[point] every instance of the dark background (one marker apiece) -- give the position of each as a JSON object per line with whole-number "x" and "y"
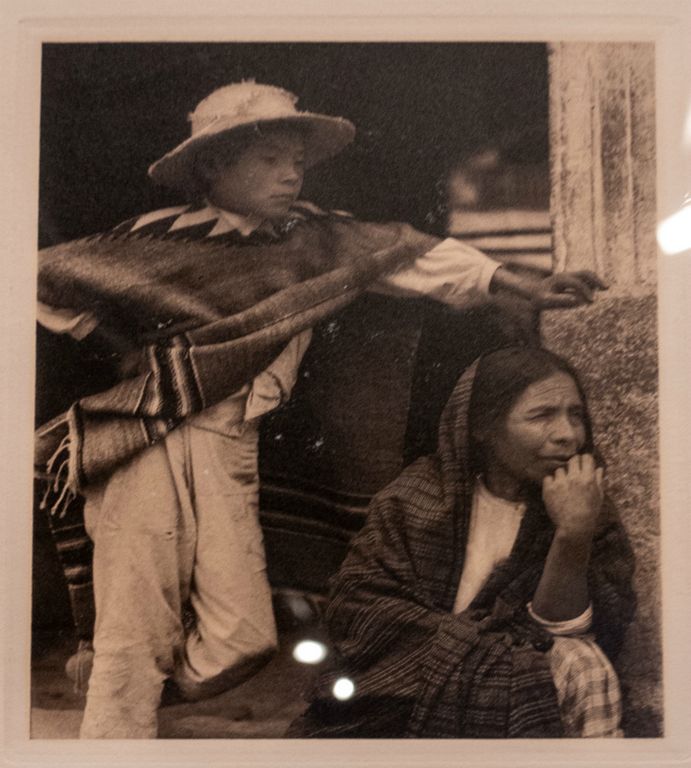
{"x": 109, "y": 110}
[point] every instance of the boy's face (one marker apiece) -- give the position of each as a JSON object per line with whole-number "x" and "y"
{"x": 264, "y": 180}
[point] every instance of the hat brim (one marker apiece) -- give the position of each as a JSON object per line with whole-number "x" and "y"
{"x": 326, "y": 137}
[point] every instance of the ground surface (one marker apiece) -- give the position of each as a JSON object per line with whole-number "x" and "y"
{"x": 263, "y": 707}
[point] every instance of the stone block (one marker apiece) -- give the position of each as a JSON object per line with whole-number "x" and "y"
{"x": 613, "y": 344}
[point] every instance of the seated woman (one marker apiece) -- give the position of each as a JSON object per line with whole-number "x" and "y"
{"x": 491, "y": 584}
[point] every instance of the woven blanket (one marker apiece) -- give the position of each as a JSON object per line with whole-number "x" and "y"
{"x": 208, "y": 315}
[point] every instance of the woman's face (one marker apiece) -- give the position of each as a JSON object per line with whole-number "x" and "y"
{"x": 543, "y": 430}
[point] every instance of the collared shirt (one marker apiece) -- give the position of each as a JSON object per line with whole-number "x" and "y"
{"x": 451, "y": 272}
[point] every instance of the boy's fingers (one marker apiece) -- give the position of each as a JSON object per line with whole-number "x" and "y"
{"x": 558, "y": 301}
{"x": 592, "y": 279}
{"x": 568, "y": 281}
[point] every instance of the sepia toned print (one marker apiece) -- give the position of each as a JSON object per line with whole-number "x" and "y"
{"x": 539, "y": 156}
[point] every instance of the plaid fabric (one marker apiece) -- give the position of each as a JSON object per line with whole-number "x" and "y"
{"x": 420, "y": 670}
{"x": 587, "y": 688}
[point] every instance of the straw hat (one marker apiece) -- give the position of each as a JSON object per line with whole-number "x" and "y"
{"x": 244, "y": 104}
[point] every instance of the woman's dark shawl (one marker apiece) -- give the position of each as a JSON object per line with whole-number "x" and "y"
{"x": 208, "y": 315}
{"x": 418, "y": 669}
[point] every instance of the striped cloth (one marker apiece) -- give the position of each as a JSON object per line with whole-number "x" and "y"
{"x": 207, "y": 313}
{"x": 75, "y": 554}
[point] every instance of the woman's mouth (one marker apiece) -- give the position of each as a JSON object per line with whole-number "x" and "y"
{"x": 556, "y": 462}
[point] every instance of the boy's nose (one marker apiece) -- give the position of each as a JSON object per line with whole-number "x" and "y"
{"x": 291, "y": 173}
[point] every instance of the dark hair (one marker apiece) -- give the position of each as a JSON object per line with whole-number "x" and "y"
{"x": 231, "y": 145}
{"x": 501, "y": 378}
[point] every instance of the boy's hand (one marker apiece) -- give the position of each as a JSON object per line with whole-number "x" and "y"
{"x": 566, "y": 289}
{"x": 573, "y": 496}
{"x": 558, "y": 291}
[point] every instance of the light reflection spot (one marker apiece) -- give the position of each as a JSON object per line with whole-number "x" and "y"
{"x": 674, "y": 233}
{"x": 343, "y": 688}
{"x": 309, "y": 652}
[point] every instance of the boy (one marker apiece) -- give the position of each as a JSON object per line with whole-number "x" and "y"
{"x": 212, "y": 305}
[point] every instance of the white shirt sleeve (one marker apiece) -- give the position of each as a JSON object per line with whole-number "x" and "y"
{"x": 452, "y": 272}
{"x": 77, "y": 324}
{"x": 576, "y": 626}
{"x": 274, "y": 385}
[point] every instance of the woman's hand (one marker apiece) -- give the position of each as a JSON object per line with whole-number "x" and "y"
{"x": 573, "y": 496}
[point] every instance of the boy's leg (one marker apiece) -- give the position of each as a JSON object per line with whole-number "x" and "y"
{"x": 235, "y": 632}
{"x": 143, "y": 552}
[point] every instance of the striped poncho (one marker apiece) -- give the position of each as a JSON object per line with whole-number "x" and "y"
{"x": 208, "y": 314}
{"x": 420, "y": 670}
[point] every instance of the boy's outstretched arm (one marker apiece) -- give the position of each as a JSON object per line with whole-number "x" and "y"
{"x": 560, "y": 290}
{"x": 461, "y": 276}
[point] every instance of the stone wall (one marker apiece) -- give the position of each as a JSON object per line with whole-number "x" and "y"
{"x": 602, "y": 124}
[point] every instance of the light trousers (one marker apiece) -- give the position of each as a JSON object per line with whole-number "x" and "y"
{"x": 177, "y": 526}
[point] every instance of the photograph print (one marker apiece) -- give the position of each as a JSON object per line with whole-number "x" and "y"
{"x": 346, "y": 392}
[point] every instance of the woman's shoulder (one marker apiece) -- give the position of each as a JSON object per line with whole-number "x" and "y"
{"x": 416, "y": 497}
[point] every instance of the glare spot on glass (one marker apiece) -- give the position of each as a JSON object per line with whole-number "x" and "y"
{"x": 309, "y": 652}
{"x": 674, "y": 233}
{"x": 343, "y": 688}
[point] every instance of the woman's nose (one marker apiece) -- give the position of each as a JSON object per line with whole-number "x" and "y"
{"x": 564, "y": 430}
